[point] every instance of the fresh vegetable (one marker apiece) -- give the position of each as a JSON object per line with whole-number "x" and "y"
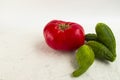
{"x": 69, "y": 36}
{"x": 106, "y": 36}
{"x": 105, "y": 47}
{"x": 85, "y": 58}
{"x": 101, "y": 51}
{"x": 89, "y": 37}
{"x": 65, "y": 36}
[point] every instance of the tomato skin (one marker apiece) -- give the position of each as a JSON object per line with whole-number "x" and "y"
{"x": 67, "y": 39}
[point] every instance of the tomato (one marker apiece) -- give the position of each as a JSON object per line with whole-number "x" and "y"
{"x": 64, "y": 36}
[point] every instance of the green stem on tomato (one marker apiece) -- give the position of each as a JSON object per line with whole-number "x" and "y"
{"x": 63, "y": 26}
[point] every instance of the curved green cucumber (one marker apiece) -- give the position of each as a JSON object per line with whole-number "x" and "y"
{"x": 101, "y": 51}
{"x": 85, "y": 58}
{"x": 89, "y": 37}
{"x": 106, "y": 37}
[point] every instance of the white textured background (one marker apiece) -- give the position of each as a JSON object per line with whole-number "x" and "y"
{"x": 24, "y": 54}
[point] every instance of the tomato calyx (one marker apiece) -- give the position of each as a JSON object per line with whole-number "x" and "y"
{"x": 63, "y": 26}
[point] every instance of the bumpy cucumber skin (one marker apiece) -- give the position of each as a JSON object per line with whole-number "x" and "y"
{"x": 91, "y": 36}
{"x": 85, "y": 58}
{"x": 101, "y": 51}
{"x": 106, "y": 36}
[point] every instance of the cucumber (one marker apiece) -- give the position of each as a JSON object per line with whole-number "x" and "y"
{"x": 91, "y": 36}
{"x": 101, "y": 51}
{"x": 106, "y": 37}
{"x": 85, "y": 58}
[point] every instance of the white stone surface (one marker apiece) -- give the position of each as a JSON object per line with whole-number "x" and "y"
{"x": 24, "y": 55}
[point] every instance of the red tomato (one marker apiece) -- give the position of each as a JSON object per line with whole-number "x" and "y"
{"x": 65, "y": 36}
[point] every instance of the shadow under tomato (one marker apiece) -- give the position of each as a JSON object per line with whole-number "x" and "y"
{"x": 42, "y": 46}
{"x": 43, "y": 49}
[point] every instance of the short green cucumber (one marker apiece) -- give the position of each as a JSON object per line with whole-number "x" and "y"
{"x": 106, "y": 37}
{"x": 101, "y": 51}
{"x": 91, "y": 36}
{"x": 85, "y": 58}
